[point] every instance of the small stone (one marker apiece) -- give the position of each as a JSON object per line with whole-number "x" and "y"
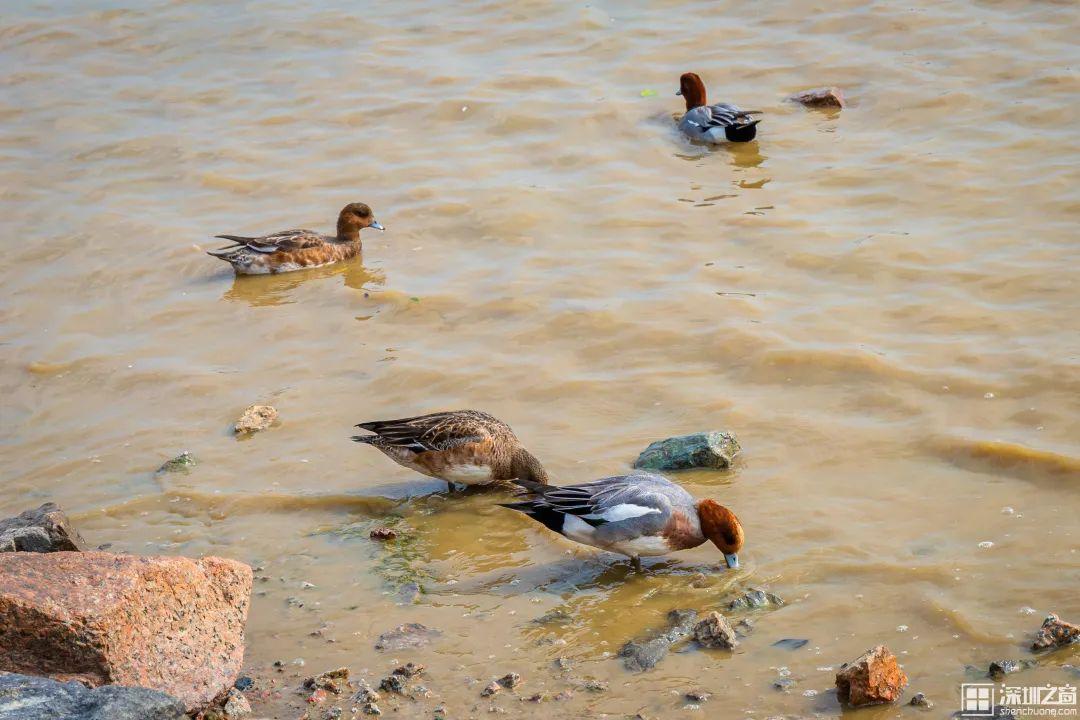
{"x": 236, "y": 705}
{"x": 754, "y": 599}
{"x": 332, "y": 713}
{"x": 371, "y": 709}
{"x": 1001, "y": 668}
{"x": 713, "y": 631}
{"x": 699, "y": 581}
{"x": 365, "y": 693}
{"x": 393, "y": 683}
{"x": 791, "y": 643}
{"x": 712, "y": 449}
{"x": 564, "y": 664}
{"x": 409, "y": 635}
{"x": 244, "y": 683}
{"x": 181, "y": 463}
{"x": 382, "y": 533}
{"x": 564, "y": 695}
{"x": 698, "y": 696}
{"x": 1055, "y": 632}
{"x": 510, "y": 680}
{"x": 986, "y": 545}
{"x": 331, "y": 680}
{"x": 491, "y": 689}
{"x": 784, "y": 683}
{"x": 595, "y": 686}
{"x": 255, "y": 419}
{"x": 538, "y": 697}
{"x": 874, "y": 677}
{"x": 317, "y": 697}
{"x": 920, "y": 700}
{"x": 823, "y": 97}
{"x": 409, "y": 670}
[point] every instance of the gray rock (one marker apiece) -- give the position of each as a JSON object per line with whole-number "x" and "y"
{"x": 754, "y": 599}
{"x": 713, "y": 631}
{"x": 791, "y": 643}
{"x": 699, "y": 450}
{"x": 23, "y": 697}
{"x": 640, "y": 655}
{"x": 1000, "y": 668}
{"x": 409, "y": 635}
{"x": 46, "y": 529}
{"x": 920, "y": 700}
{"x": 236, "y": 705}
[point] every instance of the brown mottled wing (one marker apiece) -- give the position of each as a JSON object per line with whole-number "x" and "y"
{"x": 437, "y": 431}
{"x": 286, "y": 240}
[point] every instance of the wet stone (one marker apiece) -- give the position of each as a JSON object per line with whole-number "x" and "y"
{"x": 699, "y": 450}
{"x": 697, "y": 696}
{"x": 24, "y": 697}
{"x": 1055, "y": 632}
{"x": 920, "y": 700}
{"x": 332, "y": 681}
{"x": 181, "y": 463}
{"x": 713, "y": 631}
{"x": 382, "y": 533}
{"x": 823, "y": 97}
{"x": 640, "y": 655}
{"x": 244, "y": 683}
{"x": 754, "y": 599}
{"x": 791, "y": 643}
{"x": 409, "y": 635}
{"x": 491, "y": 689}
{"x": 44, "y": 529}
{"x": 510, "y": 680}
{"x": 393, "y": 683}
{"x": 1001, "y": 668}
{"x": 236, "y": 705}
{"x": 365, "y": 693}
{"x": 874, "y": 677}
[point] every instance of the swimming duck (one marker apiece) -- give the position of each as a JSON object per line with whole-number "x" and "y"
{"x": 713, "y": 123}
{"x": 298, "y": 249}
{"x": 463, "y": 446}
{"x": 635, "y": 515}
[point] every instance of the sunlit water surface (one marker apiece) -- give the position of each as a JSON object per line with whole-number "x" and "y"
{"x": 881, "y": 303}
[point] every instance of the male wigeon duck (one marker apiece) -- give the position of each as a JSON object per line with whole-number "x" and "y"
{"x": 464, "y": 446}
{"x": 714, "y": 124}
{"x": 635, "y": 515}
{"x": 298, "y": 249}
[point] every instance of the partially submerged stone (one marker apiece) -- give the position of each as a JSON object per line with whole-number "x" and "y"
{"x": 236, "y": 705}
{"x": 1000, "y": 668}
{"x": 332, "y": 681}
{"x": 874, "y": 677}
{"x": 181, "y": 463}
{"x": 754, "y": 599}
{"x": 382, "y": 533}
{"x": 920, "y": 700}
{"x": 510, "y": 680}
{"x": 409, "y": 635}
{"x": 699, "y": 450}
{"x": 44, "y": 529}
{"x": 1055, "y": 632}
{"x": 167, "y": 623}
{"x": 822, "y": 97}
{"x": 255, "y": 419}
{"x": 491, "y": 689}
{"x": 639, "y": 655}
{"x": 791, "y": 643}
{"x": 713, "y": 631}
{"x": 24, "y": 697}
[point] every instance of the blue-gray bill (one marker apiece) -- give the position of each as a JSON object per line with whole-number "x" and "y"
{"x": 377, "y": 225}
{"x": 732, "y": 560}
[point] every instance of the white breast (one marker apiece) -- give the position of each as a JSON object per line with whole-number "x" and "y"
{"x": 647, "y": 546}
{"x": 469, "y": 474}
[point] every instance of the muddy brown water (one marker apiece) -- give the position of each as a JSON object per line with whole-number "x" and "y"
{"x": 881, "y": 303}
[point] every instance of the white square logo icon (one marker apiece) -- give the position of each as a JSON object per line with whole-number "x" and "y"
{"x": 977, "y": 700}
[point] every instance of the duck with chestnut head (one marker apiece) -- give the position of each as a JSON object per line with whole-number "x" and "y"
{"x": 298, "y": 249}
{"x": 713, "y": 124}
{"x": 634, "y": 515}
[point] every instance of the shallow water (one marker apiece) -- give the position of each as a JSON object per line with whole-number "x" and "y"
{"x": 880, "y": 302}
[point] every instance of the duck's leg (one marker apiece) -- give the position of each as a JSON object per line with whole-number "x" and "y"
{"x": 636, "y": 562}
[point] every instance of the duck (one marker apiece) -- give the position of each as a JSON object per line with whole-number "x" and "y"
{"x": 713, "y": 124}
{"x": 461, "y": 447}
{"x": 290, "y": 250}
{"x": 636, "y": 515}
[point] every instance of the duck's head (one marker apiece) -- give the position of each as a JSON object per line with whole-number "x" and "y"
{"x": 722, "y": 527}
{"x": 693, "y": 90}
{"x": 355, "y": 217}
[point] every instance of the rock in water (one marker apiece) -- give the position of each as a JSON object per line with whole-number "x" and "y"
{"x": 255, "y": 419}
{"x": 168, "y": 623}
{"x": 181, "y": 463}
{"x": 639, "y": 655}
{"x": 36, "y": 698}
{"x": 700, "y": 450}
{"x": 236, "y": 705}
{"x": 1055, "y": 632}
{"x": 823, "y": 97}
{"x": 713, "y": 631}
{"x": 409, "y": 635}
{"x": 46, "y": 529}
{"x": 754, "y": 599}
{"x": 874, "y": 677}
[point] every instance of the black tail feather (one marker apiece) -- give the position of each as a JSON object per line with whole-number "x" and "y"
{"x": 551, "y": 519}
{"x": 741, "y": 133}
{"x": 365, "y": 438}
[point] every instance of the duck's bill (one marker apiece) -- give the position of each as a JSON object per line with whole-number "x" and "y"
{"x": 377, "y": 225}
{"x": 678, "y": 92}
{"x": 732, "y": 560}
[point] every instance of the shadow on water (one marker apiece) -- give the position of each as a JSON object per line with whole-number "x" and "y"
{"x": 270, "y": 290}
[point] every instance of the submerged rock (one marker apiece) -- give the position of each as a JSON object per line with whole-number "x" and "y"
{"x": 699, "y": 450}
{"x": 23, "y": 697}
{"x": 510, "y": 680}
{"x": 43, "y": 530}
{"x": 754, "y": 599}
{"x": 409, "y": 635}
{"x": 169, "y": 623}
{"x": 823, "y": 97}
{"x": 255, "y": 419}
{"x": 639, "y": 655}
{"x": 382, "y": 533}
{"x": 181, "y": 463}
{"x": 1055, "y": 632}
{"x": 920, "y": 700}
{"x": 491, "y": 689}
{"x": 791, "y": 643}
{"x": 1000, "y": 668}
{"x": 874, "y": 677}
{"x": 332, "y": 681}
{"x": 713, "y": 631}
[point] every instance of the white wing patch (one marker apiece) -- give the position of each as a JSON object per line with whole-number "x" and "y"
{"x": 623, "y": 511}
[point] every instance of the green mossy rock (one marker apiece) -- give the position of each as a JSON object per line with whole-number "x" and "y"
{"x": 700, "y": 450}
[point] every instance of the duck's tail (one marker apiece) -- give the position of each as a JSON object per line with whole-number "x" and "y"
{"x": 741, "y": 133}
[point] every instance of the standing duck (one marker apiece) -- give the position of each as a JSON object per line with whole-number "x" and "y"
{"x": 635, "y": 515}
{"x": 468, "y": 447}
{"x": 713, "y": 123}
{"x": 290, "y": 250}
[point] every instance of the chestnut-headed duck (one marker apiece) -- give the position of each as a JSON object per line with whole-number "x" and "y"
{"x": 714, "y": 124}
{"x": 468, "y": 447}
{"x": 290, "y": 250}
{"x": 635, "y": 515}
